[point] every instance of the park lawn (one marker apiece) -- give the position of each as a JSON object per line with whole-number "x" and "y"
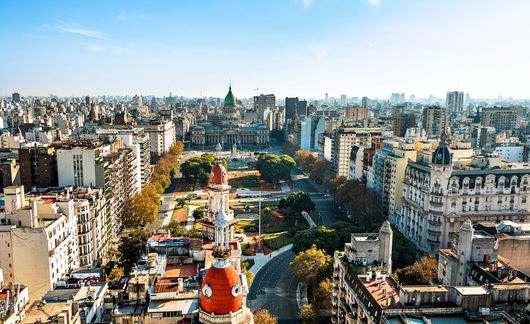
{"x": 180, "y": 214}
{"x": 277, "y": 240}
{"x": 247, "y": 225}
{"x": 245, "y": 181}
{"x": 198, "y": 203}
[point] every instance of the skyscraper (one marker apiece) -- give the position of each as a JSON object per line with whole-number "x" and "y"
{"x": 15, "y": 97}
{"x": 293, "y": 107}
{"x": 434, "y": 120}
{"x": 455, "y": 102}
{"x": 262, "y": 102}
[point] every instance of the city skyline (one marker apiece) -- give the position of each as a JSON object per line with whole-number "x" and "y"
{"x": 289, "y": 48}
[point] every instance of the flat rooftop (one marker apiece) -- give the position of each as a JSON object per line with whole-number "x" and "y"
{"x": 384, "y": 290}
{"x": 472, "y": 290}
{"x": 366, "y": 236}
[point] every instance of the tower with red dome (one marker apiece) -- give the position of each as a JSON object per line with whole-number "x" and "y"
{"x": 224, "y": 287}
{"x": 218, "y": 199}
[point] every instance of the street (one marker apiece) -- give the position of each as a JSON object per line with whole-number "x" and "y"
{"x": 274, "y": 289}
{"x": 326, "y": 207}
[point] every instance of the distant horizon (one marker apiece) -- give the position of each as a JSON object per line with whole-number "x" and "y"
{"x": 292, "y": 48}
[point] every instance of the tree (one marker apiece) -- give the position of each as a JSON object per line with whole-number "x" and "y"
{"x": 361, "y": 202}
{"x": 309, "y": 314}
{"x": 297, "y": 202}
{"x": 311, "y": 266}
{"x": 131, "y": 247}
{"x": 181, "y": 202}
{"x": 262, "y": 316}
{"x": 116, "y": 273}
{"x": 322, "y": 294}
{"x": 344, "y": 231}
{"x": 178, "y": 230}
{"x": 404, "y": 252}
{"x": 197, "y": 169}
{"x": 198, "y": 213}
{"x": 320, "y": 236}
{"x": 419, "y": 273}
{"x": 274, "y": 168}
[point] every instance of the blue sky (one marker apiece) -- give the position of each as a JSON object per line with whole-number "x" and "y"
{"x": 288, "y": 47}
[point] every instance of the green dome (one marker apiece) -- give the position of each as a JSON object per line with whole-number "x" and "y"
{"x": 230, "y": 100}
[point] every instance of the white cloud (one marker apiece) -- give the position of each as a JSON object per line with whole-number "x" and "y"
{"x": 95, "y": 48}
{"x": 83, "y": 32}
{"x": 368, "y": 43}
{"x": 126, "y": 16}
{"x": 374, "y": 3}
{"x": 307, "y": 3}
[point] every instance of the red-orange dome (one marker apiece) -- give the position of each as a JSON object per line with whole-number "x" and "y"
{"x": 221, "y": 291}
{"x": 218, "y": 175}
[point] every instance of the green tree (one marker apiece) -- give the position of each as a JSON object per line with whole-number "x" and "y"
{"x": 197, "y": 169}
{"x": 297, "y": 202}
{"x": 322, "y": 294}
{"x": 131, "y": 247}
{"x": 344, "y": 231}
{"x": 311, "y": 266}
{"x": 274, "y": 168}
{"x": 262, "y": 316}
{"x": 181, "y": 202}
{"x": 320, "y": 236}
{"x": 198, "y": 213}
{"x": 419, "y": 273}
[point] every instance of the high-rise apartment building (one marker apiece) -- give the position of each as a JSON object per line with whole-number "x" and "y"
{"x": 455, "y": 102}
{"x": 343, "y": 140}
{"x": 503, "y": 119}
{"x": 162, "y": 136}
{"x": 262, "y": 103}
{"x": 356, "y": 113}
{"x": 293, "y": 107}
{"x": 38, "y": 241}
{"x": 401, "y": 122}
{"x": 15, "y": 97}
{"x": 310, "y": 129}
{"x": 38, "y": 167}
{"x": 434, "y": 121}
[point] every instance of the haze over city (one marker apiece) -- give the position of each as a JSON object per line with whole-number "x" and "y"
{"x": 287, "y": 47}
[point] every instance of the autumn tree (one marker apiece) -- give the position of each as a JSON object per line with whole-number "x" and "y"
{"x": 309, "y": 314}
{"x": 311, "y": 266}
{"x": 322, "y": 294}
{"x": 262, "y": 316}
{"x": 115, "y": 274}
{"x": 419, "y": 273}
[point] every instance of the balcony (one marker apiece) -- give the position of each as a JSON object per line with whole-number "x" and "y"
{"x": 435, "y": 223}
{"x": 435, "y": 241}
{"x": 433, "y": 231}
{"x": 437, "y": 203}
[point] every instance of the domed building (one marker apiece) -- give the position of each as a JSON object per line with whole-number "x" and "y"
{"x": 224, "y": 287}
{"x": 230, "y": 105}
{"x": 228, "y": 127}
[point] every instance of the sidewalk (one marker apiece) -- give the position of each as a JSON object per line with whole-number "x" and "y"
{"x": 261, "y": 259}
{"x": 191, "y": 220}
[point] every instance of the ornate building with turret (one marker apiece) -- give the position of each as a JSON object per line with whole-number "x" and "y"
{"x": 227, "y": 127}
{"x": 440, "y": 191}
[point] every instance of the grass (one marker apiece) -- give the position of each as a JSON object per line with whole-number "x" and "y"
{"x": 277, "y": 240}
{"x": 245, "y": 181}
{"x": 198, "y": 203}
{"x": 180, "y": 214}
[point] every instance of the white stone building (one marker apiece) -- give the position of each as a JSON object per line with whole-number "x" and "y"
{"x": 38, "y": 241}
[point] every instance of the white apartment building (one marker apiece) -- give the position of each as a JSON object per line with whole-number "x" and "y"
{"x": 38, "y": 241}
{"x": 440, "y": 193}
{"x": 511, "y": 152}
{"x": 343, "y": 140}
{"x": 310, "y": 129}
{"x": 162, "y": 136}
